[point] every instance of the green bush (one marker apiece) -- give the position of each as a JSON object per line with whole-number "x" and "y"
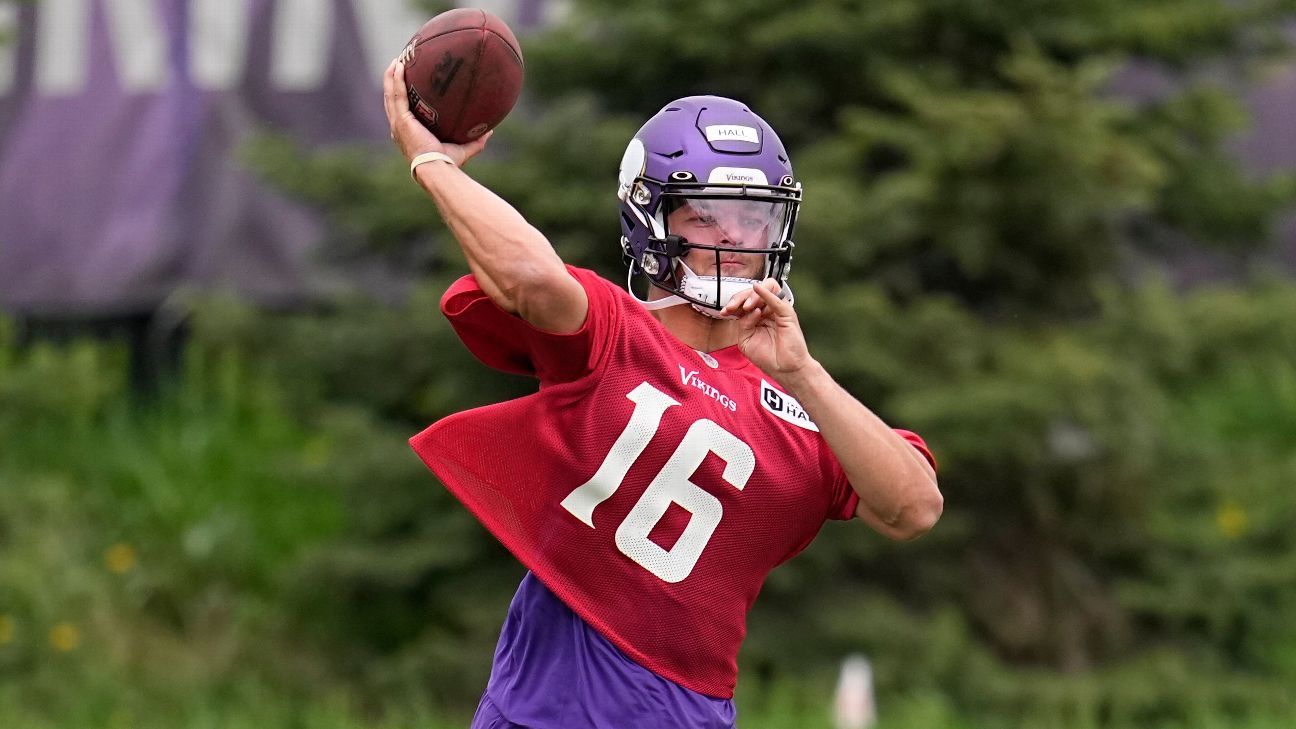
{"x": 147, "y": 544}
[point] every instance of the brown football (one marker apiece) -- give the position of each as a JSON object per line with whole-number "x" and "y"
{"x": 463, "y": 70}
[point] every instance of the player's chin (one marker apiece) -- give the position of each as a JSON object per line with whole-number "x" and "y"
{"x": 751, "y": 273}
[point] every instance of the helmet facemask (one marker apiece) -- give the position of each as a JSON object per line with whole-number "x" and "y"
{"x": 733, "y": 237}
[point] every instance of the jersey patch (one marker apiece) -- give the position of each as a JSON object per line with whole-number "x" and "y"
{"x": 785, "y": 407}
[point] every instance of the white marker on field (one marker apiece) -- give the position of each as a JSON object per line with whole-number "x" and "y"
{"x": 854, "y": 707}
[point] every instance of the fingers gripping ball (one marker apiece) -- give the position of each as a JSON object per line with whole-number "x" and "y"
{"x": 463, "y": 71}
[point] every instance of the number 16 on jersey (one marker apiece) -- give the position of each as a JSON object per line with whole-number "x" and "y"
{"x": 671, "y": 485}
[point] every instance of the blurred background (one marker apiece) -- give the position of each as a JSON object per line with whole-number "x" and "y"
{"x": 1056, "y": 237}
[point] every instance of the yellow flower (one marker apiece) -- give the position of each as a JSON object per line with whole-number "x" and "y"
{"x": 1231, "y": 519}
{"x": 64, "y": 637}
{"x": 317, "y": 452}
{"x": 120, "y": 558}
{"x": 6, "y": 629}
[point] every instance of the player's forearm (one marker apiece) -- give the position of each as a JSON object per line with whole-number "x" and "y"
{"x": 505, "y": 252}
{"x": 895, "y": 483}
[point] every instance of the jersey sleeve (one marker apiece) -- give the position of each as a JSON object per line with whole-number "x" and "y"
{"x": 844, "y": 499}
{"x": 509, "y": 343}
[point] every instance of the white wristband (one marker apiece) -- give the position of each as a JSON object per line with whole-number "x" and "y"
{"x": 429, "y": 157}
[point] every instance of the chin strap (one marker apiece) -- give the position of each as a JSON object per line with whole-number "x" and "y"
{"x": 653, "y": 304}
{"x": 702, "y": 287}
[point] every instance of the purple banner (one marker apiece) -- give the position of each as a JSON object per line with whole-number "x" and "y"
{"x": 118, "y": 123}
{"x": 1269, "y": 146}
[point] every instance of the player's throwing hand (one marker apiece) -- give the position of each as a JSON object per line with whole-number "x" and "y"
{"x": 410, "y": 136}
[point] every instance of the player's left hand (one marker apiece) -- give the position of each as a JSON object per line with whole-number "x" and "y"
{"x": 770, "y": 333}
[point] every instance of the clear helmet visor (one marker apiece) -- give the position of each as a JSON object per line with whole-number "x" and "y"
{"x": 727, "y": 222}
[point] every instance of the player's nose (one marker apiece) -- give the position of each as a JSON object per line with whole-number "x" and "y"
{"x": 740, "y": 238}
{"x": 733, "y": 236}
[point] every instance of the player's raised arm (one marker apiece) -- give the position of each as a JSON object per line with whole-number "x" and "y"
{"x": 513, "y": 262}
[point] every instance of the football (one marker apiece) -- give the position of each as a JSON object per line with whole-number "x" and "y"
{"x": 463, "y": 72}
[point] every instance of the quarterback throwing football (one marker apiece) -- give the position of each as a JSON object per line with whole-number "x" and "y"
{"x": 683, "y": 441}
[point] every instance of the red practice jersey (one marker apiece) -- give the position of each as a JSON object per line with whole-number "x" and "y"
{"x": 650, "y": 486}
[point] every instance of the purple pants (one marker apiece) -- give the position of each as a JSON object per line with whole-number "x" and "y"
{"x": 489, "y": 717}
{"x": 553, "y": 671}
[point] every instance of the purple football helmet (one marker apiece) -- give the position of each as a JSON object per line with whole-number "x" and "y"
{"x": 724, "y": 170}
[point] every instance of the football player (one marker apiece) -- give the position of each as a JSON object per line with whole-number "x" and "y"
{"x": 683, "y": 441}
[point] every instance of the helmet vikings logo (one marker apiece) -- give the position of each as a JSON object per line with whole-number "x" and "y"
{"x": 738, "y": 176}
